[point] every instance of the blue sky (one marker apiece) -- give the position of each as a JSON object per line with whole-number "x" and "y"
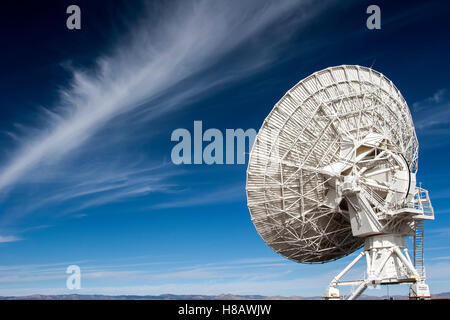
{"x": 86, "y": 118}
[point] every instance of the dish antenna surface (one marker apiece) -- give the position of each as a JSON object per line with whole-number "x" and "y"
{"x": 332, "y": 169}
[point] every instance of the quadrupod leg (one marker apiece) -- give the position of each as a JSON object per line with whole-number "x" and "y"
{"x": 378, "y": 273}
{"x": 332, "y": 292}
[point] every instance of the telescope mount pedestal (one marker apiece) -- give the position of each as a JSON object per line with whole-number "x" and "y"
{"x": 388, "y": 262}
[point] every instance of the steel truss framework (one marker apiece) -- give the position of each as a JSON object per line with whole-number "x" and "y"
{"x": 388, "y": 262}
{"x": 341, "y": 121}
{"x": 332, "y": 167}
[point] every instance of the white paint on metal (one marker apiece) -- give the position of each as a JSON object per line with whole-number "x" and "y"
{"x": 334, "y": 163}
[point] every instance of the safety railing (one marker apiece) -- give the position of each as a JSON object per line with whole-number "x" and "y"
{"x": 422, "y": 202}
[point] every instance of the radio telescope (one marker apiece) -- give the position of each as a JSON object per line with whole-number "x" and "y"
{"x": 333, "y": 169}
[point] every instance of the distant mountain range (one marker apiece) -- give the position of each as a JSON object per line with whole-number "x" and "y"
{"x": 444, "y": 295}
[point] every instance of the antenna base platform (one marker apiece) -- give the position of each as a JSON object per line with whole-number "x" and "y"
{"x": 388, "y": 262}
{"x": 419, "y": 291}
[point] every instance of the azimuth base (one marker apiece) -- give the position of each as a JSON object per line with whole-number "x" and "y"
{"x": 386, "y": 264}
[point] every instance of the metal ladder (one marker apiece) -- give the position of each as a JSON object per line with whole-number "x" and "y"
{"x": 419, "y": 247}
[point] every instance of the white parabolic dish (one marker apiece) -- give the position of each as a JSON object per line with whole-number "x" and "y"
{"x": 302, "y": 151}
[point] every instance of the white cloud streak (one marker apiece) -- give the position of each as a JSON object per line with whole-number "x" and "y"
{"x": 188, "y": 39}
{"x": 433, "y": 111}
{"x": 224, "y": 194}
{"x": 235, "y": 276}
{"x": 438, "y": 97}
{"x": 266, "y": 276}
{"x": 5, "y": 239}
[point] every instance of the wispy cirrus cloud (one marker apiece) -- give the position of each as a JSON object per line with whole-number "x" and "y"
{"x": 189, "y": 38}
{"x": 432, "y": 112}
{"x": 437, "y": 98}
{"x": 193, "y": 198}
{"x": 188, "y": 50}
{"x": 93, "y": 185}
{"x": 263, "y": 275}
{"x": 441, "y": 232}
{"x": 440, "y": 258}
{"x": 5, "y": 239}
{"x": 234, "y": 276}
